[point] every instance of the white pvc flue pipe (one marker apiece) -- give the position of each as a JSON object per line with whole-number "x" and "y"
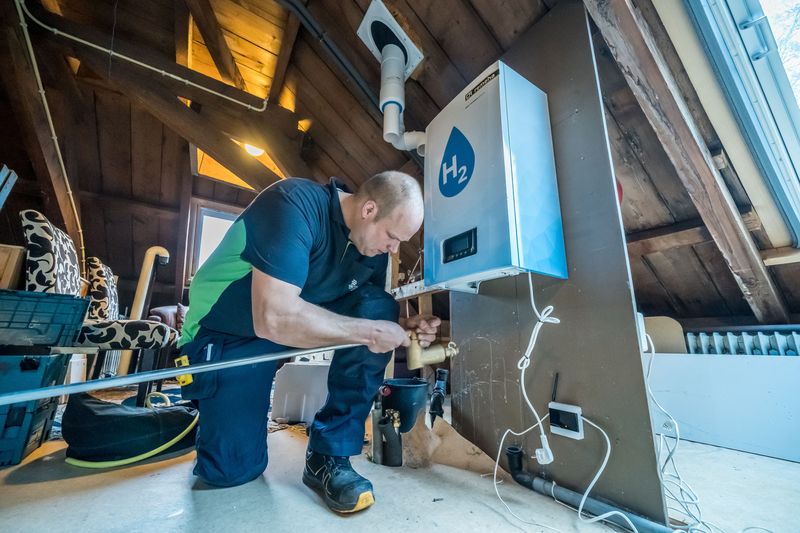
{"x": 393, "y": 101}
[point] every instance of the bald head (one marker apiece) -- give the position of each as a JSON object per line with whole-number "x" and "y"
{"x": 386, "y": 210}
{"x": 391, "y": 189}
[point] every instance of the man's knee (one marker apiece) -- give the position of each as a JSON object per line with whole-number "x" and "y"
{"x": 220, "y": 473}
{"x": 375, "y": 303}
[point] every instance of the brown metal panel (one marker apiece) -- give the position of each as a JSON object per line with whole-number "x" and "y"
{"x": 595, "y": 348}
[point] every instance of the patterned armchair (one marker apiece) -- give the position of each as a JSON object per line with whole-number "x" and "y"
{"x": 52, "y": 266}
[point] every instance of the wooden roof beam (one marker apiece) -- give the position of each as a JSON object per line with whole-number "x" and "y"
{"x": 151, "y": 57}
{"x": 23, "y": 92}
{"x": 207, "y": 22}
{"x": 679, "y": 235}
{"x": 275, "y": 130}
{"x": 287, "y": 45}
{"x": 656, "y": 91}
{"x": 195, "y": 128}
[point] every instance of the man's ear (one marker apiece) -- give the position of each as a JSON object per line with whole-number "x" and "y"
{"x": 369, "y": 209}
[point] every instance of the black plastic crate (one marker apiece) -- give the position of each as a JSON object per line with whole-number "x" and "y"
{"x": 40, "y": 319}
{"x": 19, "y": 436}
{"x": 24, "y": 372}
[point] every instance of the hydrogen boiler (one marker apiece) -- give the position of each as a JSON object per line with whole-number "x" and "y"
{"x": 491, "y": 197}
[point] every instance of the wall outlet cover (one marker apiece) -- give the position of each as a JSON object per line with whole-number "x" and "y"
{"x": 566, "y": 420}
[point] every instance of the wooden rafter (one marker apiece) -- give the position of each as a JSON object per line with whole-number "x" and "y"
{"x": 151, "y": 57}
{"x": 687, "y": 233}
{"x": 20, "y": 83}
{"x": 190, "y": 125}
{"x": 183, "y": 55}
{"x": 276, "y": 133}
{"x": 650, "y": 80}
{"x": 130, "y": 205}
{"x": 287, "y": 44}
{"x": 203, "y": 15}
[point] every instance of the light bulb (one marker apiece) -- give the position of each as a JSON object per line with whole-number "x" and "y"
{"x": 253, "y": 150}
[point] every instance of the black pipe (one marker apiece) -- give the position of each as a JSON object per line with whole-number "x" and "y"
{"x": 514, "y": 456}
{"x": 393, "y": 443}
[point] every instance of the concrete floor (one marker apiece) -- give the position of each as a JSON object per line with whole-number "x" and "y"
{"x": 44, "y": 494}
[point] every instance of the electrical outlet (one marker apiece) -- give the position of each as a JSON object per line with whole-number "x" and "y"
{"x": 566, "y": 420}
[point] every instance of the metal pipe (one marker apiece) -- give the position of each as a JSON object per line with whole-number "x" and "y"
{"x": 153, "y": 375}
{"x": 595, "y": 507}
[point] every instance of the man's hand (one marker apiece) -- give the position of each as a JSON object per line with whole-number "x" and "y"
{"x": 425, "y": 326}
{"x": 386, "y": 336}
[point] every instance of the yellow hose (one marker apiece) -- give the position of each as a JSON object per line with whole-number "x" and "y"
{"x": 129, "y": 460}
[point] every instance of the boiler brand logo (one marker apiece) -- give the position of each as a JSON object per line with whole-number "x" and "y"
{"x": 457, "y": 164}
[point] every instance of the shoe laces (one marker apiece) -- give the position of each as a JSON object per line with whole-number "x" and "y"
{"x": 340, "y": 463}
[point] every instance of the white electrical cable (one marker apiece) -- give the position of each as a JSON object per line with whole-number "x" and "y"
{"x": 112, "y": 53}
{"x": 685, "y": 498}
{"x": 603, "y": 516}
{"x": 524, "y": 362}
{"x": 497, "y": 466}
{"x": 53, "y": 136}
{"x": 544, "y": 455}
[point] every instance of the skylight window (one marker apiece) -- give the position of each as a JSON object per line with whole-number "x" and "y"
{"x": 784, "y": 20}
{"x": 754, "y": 48}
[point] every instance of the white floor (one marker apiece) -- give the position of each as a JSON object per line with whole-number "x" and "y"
{"x": 44, "y": 494}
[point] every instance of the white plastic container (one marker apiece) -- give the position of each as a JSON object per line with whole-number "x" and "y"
{"x": 301, "y": 389}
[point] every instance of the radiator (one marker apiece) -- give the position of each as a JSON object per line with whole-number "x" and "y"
{"x": 754, "y": 342}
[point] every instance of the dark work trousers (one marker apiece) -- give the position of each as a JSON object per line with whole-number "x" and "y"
{"x": 234, "y": 405}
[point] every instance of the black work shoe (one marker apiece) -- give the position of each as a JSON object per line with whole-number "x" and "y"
{"x": 343, "y": 490}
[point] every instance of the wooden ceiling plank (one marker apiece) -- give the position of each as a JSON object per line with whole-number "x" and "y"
{"x": 146, "y": 155}
{"x": 455, "y": 26}
{"x": 651, "y": 296}
{"x": 113, "y": 112}
{"x": 647, "y": 74}
{"x": 509, "y": 19}
{"x": 682, "y": 274}
{"x": 263, "y": 32}
{"x": 203, "y": 15}
{"x": 642, "y": 206}
{"x": 148, "y": 23}
{"x": 23, "y": 92}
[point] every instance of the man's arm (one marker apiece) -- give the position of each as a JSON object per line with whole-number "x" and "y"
{"x": 280, "y": 315}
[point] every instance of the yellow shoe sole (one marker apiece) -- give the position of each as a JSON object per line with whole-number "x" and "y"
{"x": 365, "y": 499}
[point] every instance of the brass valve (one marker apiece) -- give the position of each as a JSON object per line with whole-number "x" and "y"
{"x": 435, "y": 353}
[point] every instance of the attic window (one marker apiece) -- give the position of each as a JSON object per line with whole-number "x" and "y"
{"x": 754, "y": 47}
{"x": 210, "y": 221}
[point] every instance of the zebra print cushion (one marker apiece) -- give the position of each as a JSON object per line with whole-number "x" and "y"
{"x": 51, "y": 264}
{"x": 126, "y": 335}
{"x": 102, "y": 290}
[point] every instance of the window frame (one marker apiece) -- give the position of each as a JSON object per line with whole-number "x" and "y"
{"x": 201, "y": 207}
{"x": 742, "y": 51}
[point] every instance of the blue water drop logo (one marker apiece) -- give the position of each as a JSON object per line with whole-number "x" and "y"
{"x": 457, "y": 164}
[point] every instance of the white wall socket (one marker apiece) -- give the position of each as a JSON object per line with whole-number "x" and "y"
{"x": 566, "y": 420}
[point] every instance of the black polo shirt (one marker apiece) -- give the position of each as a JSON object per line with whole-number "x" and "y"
{"x": 293, "y": 231}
